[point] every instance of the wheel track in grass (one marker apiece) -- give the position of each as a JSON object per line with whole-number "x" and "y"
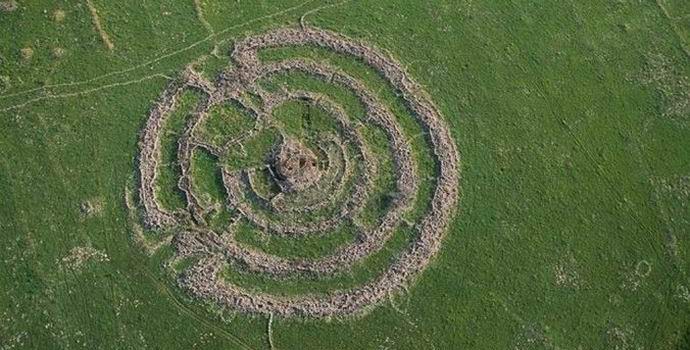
{"x": 161, "y": 57}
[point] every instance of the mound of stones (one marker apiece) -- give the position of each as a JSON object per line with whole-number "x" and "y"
{"x": 295, "y": 166}
{"x": 315, "y": 175}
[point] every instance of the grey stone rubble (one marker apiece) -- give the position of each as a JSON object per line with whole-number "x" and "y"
{"x": 333, "y": 181}
{"x": 295, "y": 166}
{"x": 216, "y": 251}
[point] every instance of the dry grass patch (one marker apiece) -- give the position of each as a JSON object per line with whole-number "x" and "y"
{"x": 79, "y": 256}
{"x": 91, "y": 207}
{"x": 95, "y": 18}
{"x": 26, "y": 53}
{"x": 59, "y": 15}
{"x": 8, "y": 6}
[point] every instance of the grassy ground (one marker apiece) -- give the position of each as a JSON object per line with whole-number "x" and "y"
{"x": 572, "y": 119}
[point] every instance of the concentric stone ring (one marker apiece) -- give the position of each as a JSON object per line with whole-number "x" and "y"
{"x": 308, "y": 179}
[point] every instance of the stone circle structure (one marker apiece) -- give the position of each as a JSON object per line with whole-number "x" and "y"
{"x": 309, "y": 177}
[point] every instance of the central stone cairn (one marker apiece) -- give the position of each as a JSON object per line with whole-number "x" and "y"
{"x": 342, "y": 180}
{"x": 295, "y": 166}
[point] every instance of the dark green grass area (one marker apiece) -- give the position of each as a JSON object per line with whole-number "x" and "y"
{"x": 303, "y": 121}
{"x": 225, "y": 123}
{"x": 207, "y": 177}
{"x": 260, "y": 145}
{"x": 570, "y": 118}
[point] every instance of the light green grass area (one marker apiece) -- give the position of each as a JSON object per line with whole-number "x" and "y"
{"x": 572, "y": 120}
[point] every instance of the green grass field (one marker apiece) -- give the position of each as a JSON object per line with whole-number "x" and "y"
{"x": 572, "y": 120}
